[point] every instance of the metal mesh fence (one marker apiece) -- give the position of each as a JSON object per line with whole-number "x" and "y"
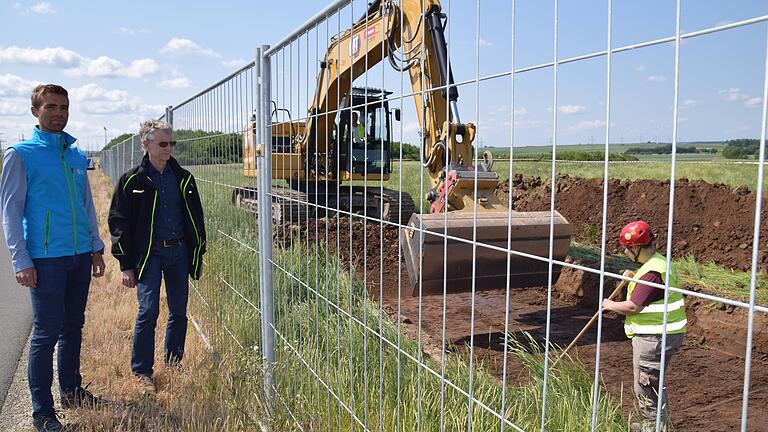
{"x": 393, "y": 289}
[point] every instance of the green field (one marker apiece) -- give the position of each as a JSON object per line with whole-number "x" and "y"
{"x": 716, "y": 280}
{"x": 718, "y": 171}
{"x": 613, "y": 148}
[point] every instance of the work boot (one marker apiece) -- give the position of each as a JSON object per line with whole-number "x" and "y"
{"x": 147, "y": 385}
{"x": 81, "y": 397}
{"x": 646, "y": 426}
{"x": 46, "y": 423}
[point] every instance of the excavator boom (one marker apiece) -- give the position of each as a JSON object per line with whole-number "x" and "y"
{"x": 469, "y": 239}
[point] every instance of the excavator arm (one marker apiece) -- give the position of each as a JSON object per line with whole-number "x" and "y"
{"x": 410, "y": 35}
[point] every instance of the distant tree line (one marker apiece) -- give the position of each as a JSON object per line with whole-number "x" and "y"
{"x": 667, "y": 149}
{"x": 580, "y": 156}
{"x": 117, "y": 140}
{"x": 200, "y": 147}
{"x": 743, "y": 148}
{"x": 410, "y": 152}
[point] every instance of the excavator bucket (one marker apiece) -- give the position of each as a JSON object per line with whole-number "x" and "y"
{"x": 437, "y": 263}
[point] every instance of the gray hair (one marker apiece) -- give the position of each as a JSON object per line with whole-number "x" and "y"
{"x": 149, "y": 126}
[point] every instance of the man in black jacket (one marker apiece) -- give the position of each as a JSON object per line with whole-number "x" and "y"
{"x": 156, "y": 223}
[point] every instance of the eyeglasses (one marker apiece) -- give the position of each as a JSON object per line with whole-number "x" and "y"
{"x": 166, "y": 143}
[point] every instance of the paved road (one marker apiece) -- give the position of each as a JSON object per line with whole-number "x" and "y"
{"x": 16, "y": 321}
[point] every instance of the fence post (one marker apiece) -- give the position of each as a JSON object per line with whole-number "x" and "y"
{"x": 264, "y": 167}
{"x": 169, "y": 115}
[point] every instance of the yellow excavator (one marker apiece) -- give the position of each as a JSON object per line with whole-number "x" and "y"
{"x": 469, "y": 239}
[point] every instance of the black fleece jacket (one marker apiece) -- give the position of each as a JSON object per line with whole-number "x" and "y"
{"x": 132, "y": 212}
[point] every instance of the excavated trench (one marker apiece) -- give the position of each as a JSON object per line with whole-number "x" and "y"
{"x": 705, "y": 378}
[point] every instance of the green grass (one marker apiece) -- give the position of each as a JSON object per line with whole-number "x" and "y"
{"x": 709, "y": 277}
{"x": 614, "y": 148}
{"x": 330, "y": 359}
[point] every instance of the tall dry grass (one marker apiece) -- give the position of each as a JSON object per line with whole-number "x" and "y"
{"x": 199, "y": 396}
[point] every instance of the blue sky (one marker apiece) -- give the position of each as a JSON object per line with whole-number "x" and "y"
{"x": 124, "y": 61}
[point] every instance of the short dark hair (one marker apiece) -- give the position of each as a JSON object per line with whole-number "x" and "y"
{"x": 39, "y": 91}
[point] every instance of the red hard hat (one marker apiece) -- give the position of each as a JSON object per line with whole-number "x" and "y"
{"x": 636, "y": 233}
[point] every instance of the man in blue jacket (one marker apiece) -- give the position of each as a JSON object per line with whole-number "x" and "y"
{"x": 53, "y": 238}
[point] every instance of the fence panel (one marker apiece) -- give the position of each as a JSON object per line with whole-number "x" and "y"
{"x": 390, "y": 294}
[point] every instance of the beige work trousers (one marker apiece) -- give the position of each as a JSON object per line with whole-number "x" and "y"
{"x": 646, "y": 364}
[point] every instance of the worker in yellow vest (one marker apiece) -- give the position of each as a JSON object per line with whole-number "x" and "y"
{"x": 644, "y": 322}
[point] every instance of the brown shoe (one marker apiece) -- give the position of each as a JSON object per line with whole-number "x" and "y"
{"x": 81, "y": 397}
{"x": 147, "y": 385}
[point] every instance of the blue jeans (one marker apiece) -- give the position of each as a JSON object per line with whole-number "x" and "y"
{"x": 172, "y": 263}
{"x": 58, "y": 311}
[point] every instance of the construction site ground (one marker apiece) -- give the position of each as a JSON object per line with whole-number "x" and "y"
{"x": 712, "y": 222}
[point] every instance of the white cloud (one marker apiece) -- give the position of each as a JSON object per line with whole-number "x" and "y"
{"x": 485, "y": 43}
{"x": 181, "y": 46}
{"x": 53, "y": 57}
{"x": 657, "y": 78}
{"x": 131, "y": 32}
{"x": 42, "y": 8}
{"x": 15, "y": 86}
{"x": 176, "y": 83}
{"x": 411, "y": 127}
{"x": 107, "y": 67}
{"x": 234, "y": 63}
{"x": 755, "y": 102}
{"x": 732, "y": 94}
{"x": 639, "y": 68}
{"x": 94, "y": 99}
{"x": 504, "y": 109}
{"x": 690, "y": 103}
{"x": 571, "y": 109}
{"x": 588, "y": 124}
{"x": 76, "y": 64}
{"x": 530, "y": 124}
{"x": 141, "y": 68}
{"x": 13, "y": 107}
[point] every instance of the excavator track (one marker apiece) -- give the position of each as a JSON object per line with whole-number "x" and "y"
{"x": 396, "y": 208}
{"x": 292, "y": 206}
{"x": 289, "y": 206}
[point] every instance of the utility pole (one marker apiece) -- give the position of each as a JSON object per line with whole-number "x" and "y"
{"x": 105, "y": 136}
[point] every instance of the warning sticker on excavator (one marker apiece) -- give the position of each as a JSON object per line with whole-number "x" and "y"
{"x": 372, "y": 30}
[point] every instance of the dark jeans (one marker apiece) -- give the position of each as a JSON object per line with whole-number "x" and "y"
{"x": 58, "y": 310}
{"x": 170, "y": 262}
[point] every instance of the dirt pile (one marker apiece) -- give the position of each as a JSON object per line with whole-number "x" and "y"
{"x": 713, "y": 222}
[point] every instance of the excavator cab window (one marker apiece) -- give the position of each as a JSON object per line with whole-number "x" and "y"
{"x": 364, "y": 144}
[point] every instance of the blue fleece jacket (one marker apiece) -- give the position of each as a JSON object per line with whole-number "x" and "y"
{"x": 58, "y": 216}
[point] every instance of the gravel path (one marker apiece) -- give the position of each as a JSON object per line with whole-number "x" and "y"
{"x": 16, "y": 412}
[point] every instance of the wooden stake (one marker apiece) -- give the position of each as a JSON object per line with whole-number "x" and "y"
{"x": 619, "y": 287}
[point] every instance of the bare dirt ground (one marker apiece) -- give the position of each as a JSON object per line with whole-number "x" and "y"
{"x": 713, "y": 222}
{"x": 705, "y": 379}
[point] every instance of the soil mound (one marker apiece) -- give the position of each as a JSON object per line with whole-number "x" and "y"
{"x": 712, "y": 222}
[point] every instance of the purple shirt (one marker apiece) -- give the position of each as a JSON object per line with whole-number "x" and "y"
{"x": 643, "y": 295}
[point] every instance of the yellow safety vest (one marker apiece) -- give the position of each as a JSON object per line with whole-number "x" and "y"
{"x": 650, "y": 320}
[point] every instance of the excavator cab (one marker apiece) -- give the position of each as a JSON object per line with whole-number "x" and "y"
{"x": 361, "y": 135}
